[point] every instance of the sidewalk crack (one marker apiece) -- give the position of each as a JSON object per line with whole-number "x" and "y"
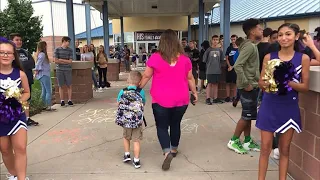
{"x": 203, "y": 170}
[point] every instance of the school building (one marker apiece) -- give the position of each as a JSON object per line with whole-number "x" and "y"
{"x": 145, "y": 31}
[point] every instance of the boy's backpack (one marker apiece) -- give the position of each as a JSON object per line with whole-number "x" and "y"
{"x": 130, "y": 110}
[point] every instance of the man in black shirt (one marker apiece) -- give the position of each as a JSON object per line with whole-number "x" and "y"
{"x": 194, "y": 55}
{"x": 28, "y": 65}
{"x": 78, "y": 52}
{"x": 264, "y": 45}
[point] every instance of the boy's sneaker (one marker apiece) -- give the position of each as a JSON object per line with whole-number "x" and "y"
{"x": 237, "y": 147}
{"x": 11, "y": 177}
{"x": 70, "y": 103}
{"x": 251, "y": 146}
{"x": 217, "y": 101}
{"x": 137, "y": 164}
{"x": 63, "y": 104}
{"x": 276, "y": 154}
{"x": 208, "y": 101}
{"x": 126, "y": 158}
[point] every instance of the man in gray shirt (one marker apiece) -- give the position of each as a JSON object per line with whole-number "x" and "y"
{"x": 63, "y": 60}
{"x": 213, "y": 57}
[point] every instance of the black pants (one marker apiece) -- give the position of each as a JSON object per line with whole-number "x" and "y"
{"x": 165, "y": 118}
{"x": 102, "y": 74}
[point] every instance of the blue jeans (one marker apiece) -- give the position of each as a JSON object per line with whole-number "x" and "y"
{"x": 165, "y": 118}
{"x": 94, "y": 79}
{"x": 46, "y": 93}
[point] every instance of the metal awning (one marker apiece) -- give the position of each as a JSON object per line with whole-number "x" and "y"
{"x": 130, "y": 8}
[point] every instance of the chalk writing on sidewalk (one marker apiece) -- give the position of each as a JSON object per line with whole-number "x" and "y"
{"x": 97, "y": 116}
{"x": 69, "y": 136}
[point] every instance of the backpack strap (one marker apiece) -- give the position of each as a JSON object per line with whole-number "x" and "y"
{"x": 138, "y": 90}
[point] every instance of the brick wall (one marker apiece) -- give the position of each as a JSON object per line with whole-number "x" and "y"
{"x": 113, "y": 72}
{"x": 305, "y": 147}
{"x": 81, "y": 86}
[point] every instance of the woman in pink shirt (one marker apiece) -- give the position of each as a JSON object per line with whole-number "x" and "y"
{"x": 172, "y": 77}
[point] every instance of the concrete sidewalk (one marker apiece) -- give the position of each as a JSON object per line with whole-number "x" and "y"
{"x": 83, "y": 143}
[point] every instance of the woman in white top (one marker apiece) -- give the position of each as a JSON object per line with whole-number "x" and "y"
{"x": 89, "y": 56}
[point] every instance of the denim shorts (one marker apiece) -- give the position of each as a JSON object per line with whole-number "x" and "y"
{"x": 249, "y": 101}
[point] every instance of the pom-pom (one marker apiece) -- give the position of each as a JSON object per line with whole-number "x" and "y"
{"x": 278, "y": 74}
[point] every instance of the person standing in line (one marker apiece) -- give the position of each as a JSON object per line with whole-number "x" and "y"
{"x": 43, "y": 74}
{"x": 102, "y": 61}
{"x": 281, "y": 113}
{"x": 63, "y": 59}
{"x": 213, "y": 57}
{"x": 78, "y": 51}
{"x": 247, "y": 69}
{"x": 231, "y": 76}
{"x": 127, "y": 58}
{"x": 87, "y": 55}
{"x": 194, "y": 55}
{"x": 170, "y": 102}
{"x": 13, "y": 134}
{"x": 28, "y": 65}
{"x": 238, "y": 42}
{"x": 202, "y": 65}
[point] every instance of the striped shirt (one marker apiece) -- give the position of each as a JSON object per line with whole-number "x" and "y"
{"x": 63, "y": 53}
{"x": 42, "y": 66}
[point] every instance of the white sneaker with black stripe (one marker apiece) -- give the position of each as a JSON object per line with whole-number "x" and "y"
{"x": 126, "y": 158}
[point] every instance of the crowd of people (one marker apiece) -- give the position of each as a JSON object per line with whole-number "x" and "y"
{"x": 179, "y": 65}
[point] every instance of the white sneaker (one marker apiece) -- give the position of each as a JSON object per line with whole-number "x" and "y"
{"x": 276, "y": 154}
{"x": 105, "y": 88}
{"x": 11, "y": 177}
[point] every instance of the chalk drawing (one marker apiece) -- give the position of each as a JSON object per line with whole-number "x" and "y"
{"x": 97, "y": 116}
{"x": 69, "y": 136}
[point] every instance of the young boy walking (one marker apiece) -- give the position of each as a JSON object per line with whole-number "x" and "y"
{"x": 247, "y": 69}
{"x": 131, "y": 101}
{"x": 213, "y": 57}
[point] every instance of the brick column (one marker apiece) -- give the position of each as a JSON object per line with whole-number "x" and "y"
{"x": 113, "y": 70}
{"x": 81, "y": 83}
{"x": 305, "y": 147}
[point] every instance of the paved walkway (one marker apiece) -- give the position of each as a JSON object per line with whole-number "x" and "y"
{"x": 83, "y": 143}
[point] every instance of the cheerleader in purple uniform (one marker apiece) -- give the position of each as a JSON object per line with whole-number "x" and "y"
{"x": 280, "y": 113}
{"x": 13, "y": 134}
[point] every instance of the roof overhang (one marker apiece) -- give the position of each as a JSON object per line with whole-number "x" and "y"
{"x": 131, "y": 8}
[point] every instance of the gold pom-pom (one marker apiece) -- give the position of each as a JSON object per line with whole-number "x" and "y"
{"x": 268, "y": 76}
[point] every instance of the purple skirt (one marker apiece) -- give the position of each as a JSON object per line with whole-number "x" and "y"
{"x": 11, "y": 128}
{"x": 279, "y": 113}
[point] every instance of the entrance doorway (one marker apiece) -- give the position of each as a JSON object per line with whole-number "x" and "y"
{"x": 146, "y": 46}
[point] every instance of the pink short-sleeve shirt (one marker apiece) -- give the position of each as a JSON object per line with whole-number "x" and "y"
{"x": 169, "y": 86}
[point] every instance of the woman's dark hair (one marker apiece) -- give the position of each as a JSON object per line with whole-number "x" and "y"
{"x": 317, "y": 37}
{"x": 16, "y": 62}
{"x": 205, "y": 44}
{"x": 170, "y": 46}
{"x": 249, "y": 24}
{"x": 296, "y": 30}
{"x": 42, "y": 47}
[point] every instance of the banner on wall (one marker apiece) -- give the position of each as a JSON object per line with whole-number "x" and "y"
{"x": 148, "y": 36}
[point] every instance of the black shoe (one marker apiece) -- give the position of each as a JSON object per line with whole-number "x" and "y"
{"x": 63, "y": 103}
{"x": 204, "y": 87}
{"x": 208, "y": 101}
{"x": 167, "y": 161}
{"x": 31, "y": 122}
{"x": 137, "y": 164}
{"x": 126, "y": 158}
{"x": 227, "y": 99}
{"x": 70, "y": 103}
{"x": 217, "y": 101}
{"x": 235, "y": 102}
